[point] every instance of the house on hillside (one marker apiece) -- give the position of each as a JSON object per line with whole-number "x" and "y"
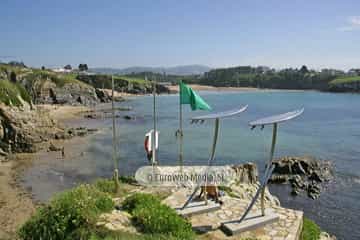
{"x": 354, "y": 72}
{"x": 61, "y": 70}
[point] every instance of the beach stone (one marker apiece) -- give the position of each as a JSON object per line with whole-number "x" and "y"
{"x": 117, "y": 221}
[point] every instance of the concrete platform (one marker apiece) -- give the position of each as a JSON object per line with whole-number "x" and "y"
{"x": 198, "y": 207}
{"x": 208, "y": 225}
{"x": 251, "y": 222}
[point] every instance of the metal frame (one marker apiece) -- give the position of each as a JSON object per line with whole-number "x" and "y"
{"x": 272, "y": 120}
{"x": 201, "y": 119}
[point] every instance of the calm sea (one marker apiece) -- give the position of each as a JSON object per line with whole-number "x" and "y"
{"x": 328, "y": 129}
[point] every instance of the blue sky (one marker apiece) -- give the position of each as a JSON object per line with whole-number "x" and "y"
{"x": 116, "y": 33}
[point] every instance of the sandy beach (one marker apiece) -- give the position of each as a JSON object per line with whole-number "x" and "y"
{"x": 197, "y": 87}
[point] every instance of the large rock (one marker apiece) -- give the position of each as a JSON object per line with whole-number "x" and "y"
{"x": 303, "y": 173}
{"x": 246, "y": 173}
{"x": 117, "y": 221}
{"x": 75, "y": 94}
{"x": 22, "y": 129}
{"x": 102, "y": 95}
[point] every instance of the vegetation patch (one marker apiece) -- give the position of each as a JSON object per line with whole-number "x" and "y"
{"x": 121, "y": 83}
{"x": 153, "y": 217}
{"x": 103, "y": 234}
{"x": 310, "y": 231}
{"x": 59, "y": 79}
{"x": 344, "y": 80}
{"x": 105, "y": 185}
{"x": 10, "y": 93}
{"x": 70, "y": 215}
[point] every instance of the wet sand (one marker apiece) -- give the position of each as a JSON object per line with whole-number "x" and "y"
{"x": 16, "y": 205}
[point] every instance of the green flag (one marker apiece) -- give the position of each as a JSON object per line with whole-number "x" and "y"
{"x": 189, "y": 96}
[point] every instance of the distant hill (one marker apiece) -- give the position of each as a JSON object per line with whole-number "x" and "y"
{"x": 177, "y": 70}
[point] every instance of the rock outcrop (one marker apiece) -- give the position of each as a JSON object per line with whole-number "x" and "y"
{"x": 246, "y": 183}
{"x": 47, "y": 92}
{"x": 24, "y": 129}
{"x": 102, "y": 95}
{"x": 246, "y": 173}
{"x": 21, "y": 129}
{"x": 303, "y": 173}
{"x": 46, "y": 87}
{"x": 117, "y": 221}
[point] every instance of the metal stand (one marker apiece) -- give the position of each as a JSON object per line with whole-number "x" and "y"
{"x": 192, "y": 208}
{"x": 246, "y": 222}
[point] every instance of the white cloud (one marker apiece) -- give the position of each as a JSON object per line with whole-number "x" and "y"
{"x": 355, "y": 20}
{"x": 353, "y": 23}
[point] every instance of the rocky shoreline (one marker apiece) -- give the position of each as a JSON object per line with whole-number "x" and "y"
{"x": 303, "y": 174}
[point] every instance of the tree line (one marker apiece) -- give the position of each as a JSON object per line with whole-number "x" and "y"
{"x": 259, "y": 77}
{"x": 263, "y": 77}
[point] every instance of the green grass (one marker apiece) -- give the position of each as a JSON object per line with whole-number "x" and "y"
{"x": 133, "y": 79}
{"x": 60, "y": 79}
{"x": 8, "y": 68}
{"x": 103, "y": 234}
{"x": 310, "y": 231}
{"x": 70, "y": 215}
{"x": 153, "y": 217}
{"x": 10, "y": 92}
{"x": 343, "y": 80}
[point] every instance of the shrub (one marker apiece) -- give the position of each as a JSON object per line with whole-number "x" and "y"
{"x": 105, "y": 185}
{"x": 310, "y": 231}
{"x": 153, "y": 217}
{"x": 127, "y": 179}
{"x": 68, "y": 215}
{"x": 139, "y": 200}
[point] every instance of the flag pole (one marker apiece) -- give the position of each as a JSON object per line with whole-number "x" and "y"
{"x": 153, "y": 142}
{"x": 180, "y": 131}
{"x": 116, "y": 171}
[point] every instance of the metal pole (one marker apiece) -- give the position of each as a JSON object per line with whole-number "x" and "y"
{"x": 210, "y": 161}
{"x": 216, "y": 133}
{"x": 180, "y": 131}
{"x": 269, "y": 166}
{"x": 116, "y": 172}
{"x": 153, "y": 142}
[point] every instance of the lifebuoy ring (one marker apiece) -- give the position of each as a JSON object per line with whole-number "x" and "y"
{"x": 147, "y": 145}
